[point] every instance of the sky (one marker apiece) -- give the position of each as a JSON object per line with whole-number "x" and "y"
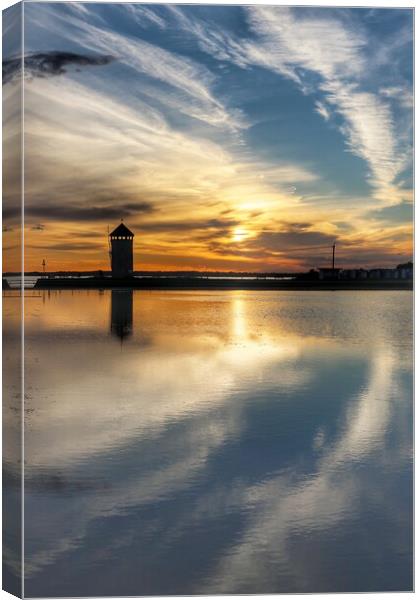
{"x": 228, "y": 138}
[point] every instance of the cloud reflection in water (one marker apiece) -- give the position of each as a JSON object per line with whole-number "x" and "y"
{"x": 217, "y": 448}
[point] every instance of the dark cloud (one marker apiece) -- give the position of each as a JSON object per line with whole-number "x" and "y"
{"x": 210, "y": 224}
{"x": 11, "y": 212}
{"x": 290, "y": 242}
{"x": 89, "y": 234}
{"x": 81, "y": 213}
{"x": 68, "y": 246}
{"x": 344, "y": 226}
{"x": 38, "y": 227}
{"x": 49, "y": 64}
{"x": 313, "y": 248}
{"x": 297, "y": 235}
{"x": 399, "y": 213}
{"x": 396, "y": 236}
{"x": 211, "y": 235}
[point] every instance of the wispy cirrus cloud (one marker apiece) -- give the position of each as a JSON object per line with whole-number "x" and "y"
{"x": 143, "y": 15}
{"x": 328, "y": 56}
{"x": 319, "y": 44}
{"x": 337, "y": 54}
{"x": 321, "y": 109}
{"x": 70, "y": 123}
{"x": 184, "y": 82}
{"x": 400, "y": 93}
{"x": 369, "y": 131}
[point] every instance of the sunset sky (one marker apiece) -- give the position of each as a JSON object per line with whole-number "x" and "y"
{"x": 231, "y": 138}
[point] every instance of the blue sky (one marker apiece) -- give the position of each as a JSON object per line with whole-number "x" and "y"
{"x": 226, "y": 136}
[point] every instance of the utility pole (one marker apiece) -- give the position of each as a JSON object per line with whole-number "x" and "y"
{"x": 109, "y": 250}
{"x": 333, "y": 256}
{"x": 44, "y": 262}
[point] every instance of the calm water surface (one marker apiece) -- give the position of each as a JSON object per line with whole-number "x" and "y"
{"x": 222, "y": 442}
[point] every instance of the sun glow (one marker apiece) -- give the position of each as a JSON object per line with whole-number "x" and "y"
{"x": 239, "y": 234}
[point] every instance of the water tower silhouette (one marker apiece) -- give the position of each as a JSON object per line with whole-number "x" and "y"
{"x": 121, "y": 250}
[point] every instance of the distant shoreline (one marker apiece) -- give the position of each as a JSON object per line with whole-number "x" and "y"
{"x": 193, "y": 283}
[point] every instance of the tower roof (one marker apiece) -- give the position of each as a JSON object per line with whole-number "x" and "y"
{"x": 122, "y": 230}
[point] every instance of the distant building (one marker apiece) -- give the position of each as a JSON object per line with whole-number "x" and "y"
{"x": 121, "y": 240}
{"x": 328, "y": 273}
{"x": 384, "y": 274}
{"x": 349, "y": 274}
{"x": 405, "y": 271}
{"x": 390, "y": 273}
{"x": 353, "y": 274}
{"x": 376, "y": 273}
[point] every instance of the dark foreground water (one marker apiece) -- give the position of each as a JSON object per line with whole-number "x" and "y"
{"x": 233, "y": 442}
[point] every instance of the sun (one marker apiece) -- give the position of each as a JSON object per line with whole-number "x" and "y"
{"x": 238, "y": 235}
